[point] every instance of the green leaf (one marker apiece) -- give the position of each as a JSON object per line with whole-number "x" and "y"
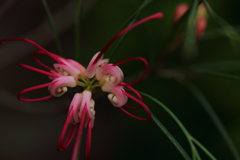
{"x": 78, "y": 31}
{"x": 203, "y": 148}
{"x": 228, "y": 30}
{"x": 222, "y": 65}
{"x": 189, "y": 45}
{"x": 208, "y": 108}
{"x": 170, "y": 137}
{"x": 216, "y": 73}
{"x": 53, "y": 28}
{"x": 186, "y": 133}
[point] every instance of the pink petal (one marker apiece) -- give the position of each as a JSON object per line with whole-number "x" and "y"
{"x": 91, "y": 68}
{"x": 201, "y": 26}
{"x": 180, "y": 11}
{"x": 121, "y": 99}
{"x": 109, "y": 69}
{"x": 76, "y": 65}
{"x": 68, "y": 67}
{"x": 62, "y": 81}
{"x": 75, "y": 107}
{"x": 86, "y": 102}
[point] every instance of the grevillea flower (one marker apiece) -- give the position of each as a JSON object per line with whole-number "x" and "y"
{"x": 65, "y": 73}
{"x": 201, "y": 18}
{"x": 98, "y": 74}
{"x": 81, "y": 111}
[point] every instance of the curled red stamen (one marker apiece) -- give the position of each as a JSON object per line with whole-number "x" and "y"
{"x": 89, "y": 135}
{"x": 154, "y": 16}
{"x": 142, "y": 104}
{"x": 143, "y": 75}
{"x": 25, "y": 40}
{"x": 34, "y": 88}
{"x": 55, "y": 57}
{"x": 79, "y": 134}
{"x": 62, "y": 144}
{"x": 37, "y": 70}
{"x": 39, "y": 62}
{"x": 138, "y": 95}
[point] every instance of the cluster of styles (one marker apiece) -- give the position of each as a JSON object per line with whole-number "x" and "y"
{"x": 99, "y": 74}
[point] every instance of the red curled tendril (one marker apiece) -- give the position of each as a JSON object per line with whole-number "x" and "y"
{"x": 34, "y": 88}
{"x": 79, "y": 134}
{"x": 137, "y": 94}
{"x": 37, "y": 70}
{"x": 154, "y": 16}
{"x": 88, "y": 143}
{"x": 142, "y": 104}
{"x": 64, "y": 143}
{"x": 43, "y": 51}
{"x": 143, "y": 75}
{"x": 39, "y": 62}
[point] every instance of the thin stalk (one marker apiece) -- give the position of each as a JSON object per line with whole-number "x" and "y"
{"x": 222, "y": 65}
{"x": 208, "y": 108}
{"x": 230, "y": 31}
{"x": 190, "y": 40}
{"x": 53, "y": 28}
{"x": 171, "y": 138}
{"x": 186, "y": 133}
{"x": 78, "y": 30}
{"x": 203, "y": 148}
{"x": 218, "y": 74}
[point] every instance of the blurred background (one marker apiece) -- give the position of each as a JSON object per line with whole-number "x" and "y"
{"x": 30, "y": 130}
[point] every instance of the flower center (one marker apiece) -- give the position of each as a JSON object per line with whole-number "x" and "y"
{"x": 88, "y": 83}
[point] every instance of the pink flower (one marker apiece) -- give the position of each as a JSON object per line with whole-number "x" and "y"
{"x": 81, "y": 111}
{"x": 98, "y": 74}
{"x": 64, "y": 74}
{"x": 111, "y": 80}
{"x": 180, "y": 11}
{"x": 201, "y": 17}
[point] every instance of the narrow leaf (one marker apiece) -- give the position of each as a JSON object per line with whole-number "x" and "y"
{"x": 171, "y": 138}
{"x": 208, "y": 108}
{"x": 53, "y": 28}
{"x": 78, "y": 30}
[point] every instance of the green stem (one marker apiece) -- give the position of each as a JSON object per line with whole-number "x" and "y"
{"x": 53, "y": 28}
{"x": 203, "y": 148}
{"x": 216, "y": 73}
{"x": 186, "y": 133}
{"x": 171, "y": 138}
{"x": 230, "y": 31}
{"x": 204, "y": 102}
{"x": 190, "y": 41}
{"x": 78, "y": 30}
{"x": 82, "y": 84}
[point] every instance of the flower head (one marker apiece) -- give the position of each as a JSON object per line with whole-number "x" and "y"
{"x": 99, "y": 74}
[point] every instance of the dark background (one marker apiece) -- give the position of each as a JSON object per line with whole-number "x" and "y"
{"x": 30, "y": 130}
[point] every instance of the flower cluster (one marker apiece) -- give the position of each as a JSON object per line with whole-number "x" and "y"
{"x": 99, "y": 74}
{"x": 201, "y": 17}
